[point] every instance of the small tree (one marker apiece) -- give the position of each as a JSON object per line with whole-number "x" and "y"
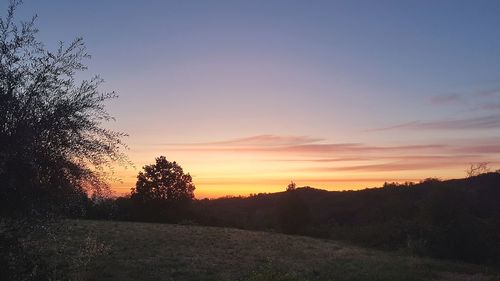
{"x": 291, "y": 186}
{"x": 477, "y": 169}
{"x": 162, "y": 193}
{"x": 164, "y": 181}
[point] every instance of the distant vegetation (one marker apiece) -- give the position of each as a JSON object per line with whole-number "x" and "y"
{"x": 453, "y": 219}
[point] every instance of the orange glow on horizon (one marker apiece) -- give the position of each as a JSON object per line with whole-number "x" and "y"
{"x": 216, "y": 188}
{"x": 266, "y": 164}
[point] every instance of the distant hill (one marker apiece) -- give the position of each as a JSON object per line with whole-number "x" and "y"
{"x": 457, "y": 218}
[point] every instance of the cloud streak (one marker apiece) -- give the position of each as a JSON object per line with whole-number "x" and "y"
{"x": 269, "y": 162}
{"x": 317, "y": 150}
{"x": 408, "y": 165}
{"x": 386, "y": 157}
{"x": 489, "y": 93}
{"x": 491, "y": 106}
{"x": 475, "y": 123}
{"x": 310, "y": 147}
{"x": 262, "y": 141}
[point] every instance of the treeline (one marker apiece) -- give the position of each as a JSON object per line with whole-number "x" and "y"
{"x": 453, "y": 219}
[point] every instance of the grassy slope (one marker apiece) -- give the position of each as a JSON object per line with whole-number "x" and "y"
{"x": 144, "y": 251}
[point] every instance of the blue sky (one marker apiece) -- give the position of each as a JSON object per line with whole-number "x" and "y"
{"x": 378, "y": 73}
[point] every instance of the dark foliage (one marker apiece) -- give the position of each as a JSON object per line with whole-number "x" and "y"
{"x": 163, "y": 193}
{"x": 19, "y": 259}
{"x": 293, "y": 213}
{"x": 53, "y": 147}
{"x": 455, "y": 219}
{"x": 163, "y": 181}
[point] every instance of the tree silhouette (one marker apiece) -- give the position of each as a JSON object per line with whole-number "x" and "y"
{"x": 477, "y": 169}
{"x": 52, "y": 142}
{"x": 163, "y": 181}
{"x": 291, "y": 186}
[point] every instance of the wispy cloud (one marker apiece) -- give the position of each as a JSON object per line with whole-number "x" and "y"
{"x": 263, "y": 140}
{"x": 296, "y": 145}
{"x": 358, "y": 148}
{"x": 394, "y": 166}
{"x": 482, "y": 149}
{"x": 489, "y": 92}
{"x": 389, "y": 157}
{"x": 310, "y": 149}
{"x": 271, "y": 161}
{"x": 491, "y": 106}
{"x": 469, "y": 98}
{"x": 475, "y": 123}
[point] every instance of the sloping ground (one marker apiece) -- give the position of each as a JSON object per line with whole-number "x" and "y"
{"x": 107, "y": 250}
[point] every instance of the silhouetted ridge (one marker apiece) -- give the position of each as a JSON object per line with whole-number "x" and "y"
{"x": 457, "y": 218}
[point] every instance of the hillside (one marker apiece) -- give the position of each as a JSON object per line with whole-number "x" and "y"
{"x": 452, "y": 219}
{"x": 480, "y": 192}
{"x": 105, "y": 250}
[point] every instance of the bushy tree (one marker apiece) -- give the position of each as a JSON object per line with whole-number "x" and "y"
{"x": 163, "y": 180}
{"x": 291, "y": 186}
{"x": 52, "y": 140}
{"x": 162, "y": 193}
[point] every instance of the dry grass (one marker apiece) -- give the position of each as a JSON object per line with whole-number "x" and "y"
{"x": 147, "y": 251}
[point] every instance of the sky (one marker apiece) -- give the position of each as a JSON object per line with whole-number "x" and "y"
{"x": 249, "y": 95}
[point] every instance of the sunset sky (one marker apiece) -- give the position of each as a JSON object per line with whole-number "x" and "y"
{"x": 249, "y": 95}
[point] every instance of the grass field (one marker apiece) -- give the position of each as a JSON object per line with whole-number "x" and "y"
{"x": 108, "y": 250}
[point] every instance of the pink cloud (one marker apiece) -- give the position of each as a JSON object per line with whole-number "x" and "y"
{"x": 264, "y": 140}
{"x": 491, "y": 106}
{"x": 382, "y": 158}
{"x": 296, "y": 145}
{"x": 385, "y": 157}
{"x": 407, "y": 165}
